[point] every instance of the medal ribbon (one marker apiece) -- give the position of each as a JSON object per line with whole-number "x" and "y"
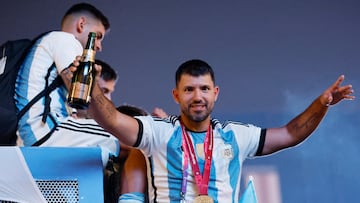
{"x": 202, "y": 182}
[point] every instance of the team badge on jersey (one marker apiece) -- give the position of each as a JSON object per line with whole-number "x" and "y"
{"x": 227, "y": 151}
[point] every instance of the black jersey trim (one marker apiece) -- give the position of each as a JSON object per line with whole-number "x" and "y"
{"x": 140, "y": 133}
{"x": 261, "y": 142}
{"x": 152, "y": 180}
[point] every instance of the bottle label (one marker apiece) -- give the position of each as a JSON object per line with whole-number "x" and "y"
{"x": 81, "y": 91}
{"x": 88, "y": 55}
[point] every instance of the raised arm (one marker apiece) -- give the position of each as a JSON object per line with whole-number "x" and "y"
{"x": 301, "y": 127}
{"x": 124, "y": 127}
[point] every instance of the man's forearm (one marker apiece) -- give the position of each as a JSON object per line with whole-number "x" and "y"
{"x": 124, "y": 127}
{"x": 305, "y": 123}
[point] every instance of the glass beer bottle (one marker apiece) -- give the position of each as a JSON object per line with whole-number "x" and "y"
{"x": 82, "y": 81}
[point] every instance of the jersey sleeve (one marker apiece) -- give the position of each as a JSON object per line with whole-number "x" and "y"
{"x": 63, "y": 47}
{"x": 248, "y": 138}
{"x": 155, "y": 133}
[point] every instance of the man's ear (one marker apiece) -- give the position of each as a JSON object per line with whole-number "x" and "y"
{"x": 175, "y": 95}
{"x": 80, "y": 23}
{"x": 217, "y": 91}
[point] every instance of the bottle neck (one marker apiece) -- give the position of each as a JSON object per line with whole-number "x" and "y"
{"x": 89, "y": 51}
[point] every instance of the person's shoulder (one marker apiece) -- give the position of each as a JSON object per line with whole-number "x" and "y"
{"x": 62, "y": 39}
{"x": 60, "y": 35}
{"x": 168, "y": 122}
{"x": 228, "y": 124}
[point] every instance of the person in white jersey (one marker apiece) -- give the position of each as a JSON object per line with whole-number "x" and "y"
{"x": 194, "y": 157}
{"x": 57, "y": 50}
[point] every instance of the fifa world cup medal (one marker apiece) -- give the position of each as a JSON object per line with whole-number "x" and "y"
{"x": 203, "y": 199}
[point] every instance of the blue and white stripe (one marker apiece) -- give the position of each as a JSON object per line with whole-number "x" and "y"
{"x": 161, "y": 141}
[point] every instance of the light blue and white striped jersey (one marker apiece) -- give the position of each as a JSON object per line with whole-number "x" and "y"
{"x": 162, "y": 141}
{"x": 59, "y": 48}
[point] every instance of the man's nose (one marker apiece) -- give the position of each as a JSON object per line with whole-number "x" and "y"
{"x": 197, "y": 94}
{"x": 98, "y": 46}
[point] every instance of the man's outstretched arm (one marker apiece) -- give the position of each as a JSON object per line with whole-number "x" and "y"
{"x": 124, "y": 127}
{"x": 301, "y": 127}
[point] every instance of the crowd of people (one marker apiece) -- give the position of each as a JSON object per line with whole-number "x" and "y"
{"x": 191, "y": 157}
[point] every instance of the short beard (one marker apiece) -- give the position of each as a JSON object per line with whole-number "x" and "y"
{"x": 198, "y": 118}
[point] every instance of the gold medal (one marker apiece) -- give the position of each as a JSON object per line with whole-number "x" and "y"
{"x": 203, "y": 199}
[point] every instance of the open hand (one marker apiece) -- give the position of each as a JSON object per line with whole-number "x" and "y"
{"x": 336, "y": 93}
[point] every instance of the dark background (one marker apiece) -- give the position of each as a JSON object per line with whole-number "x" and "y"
{"x": 271, "y": 59}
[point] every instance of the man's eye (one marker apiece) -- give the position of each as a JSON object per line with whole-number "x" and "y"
{"x": 205, "y": 89}
{"x": 104, "y": 90}
{"x": 99, "y": 36}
